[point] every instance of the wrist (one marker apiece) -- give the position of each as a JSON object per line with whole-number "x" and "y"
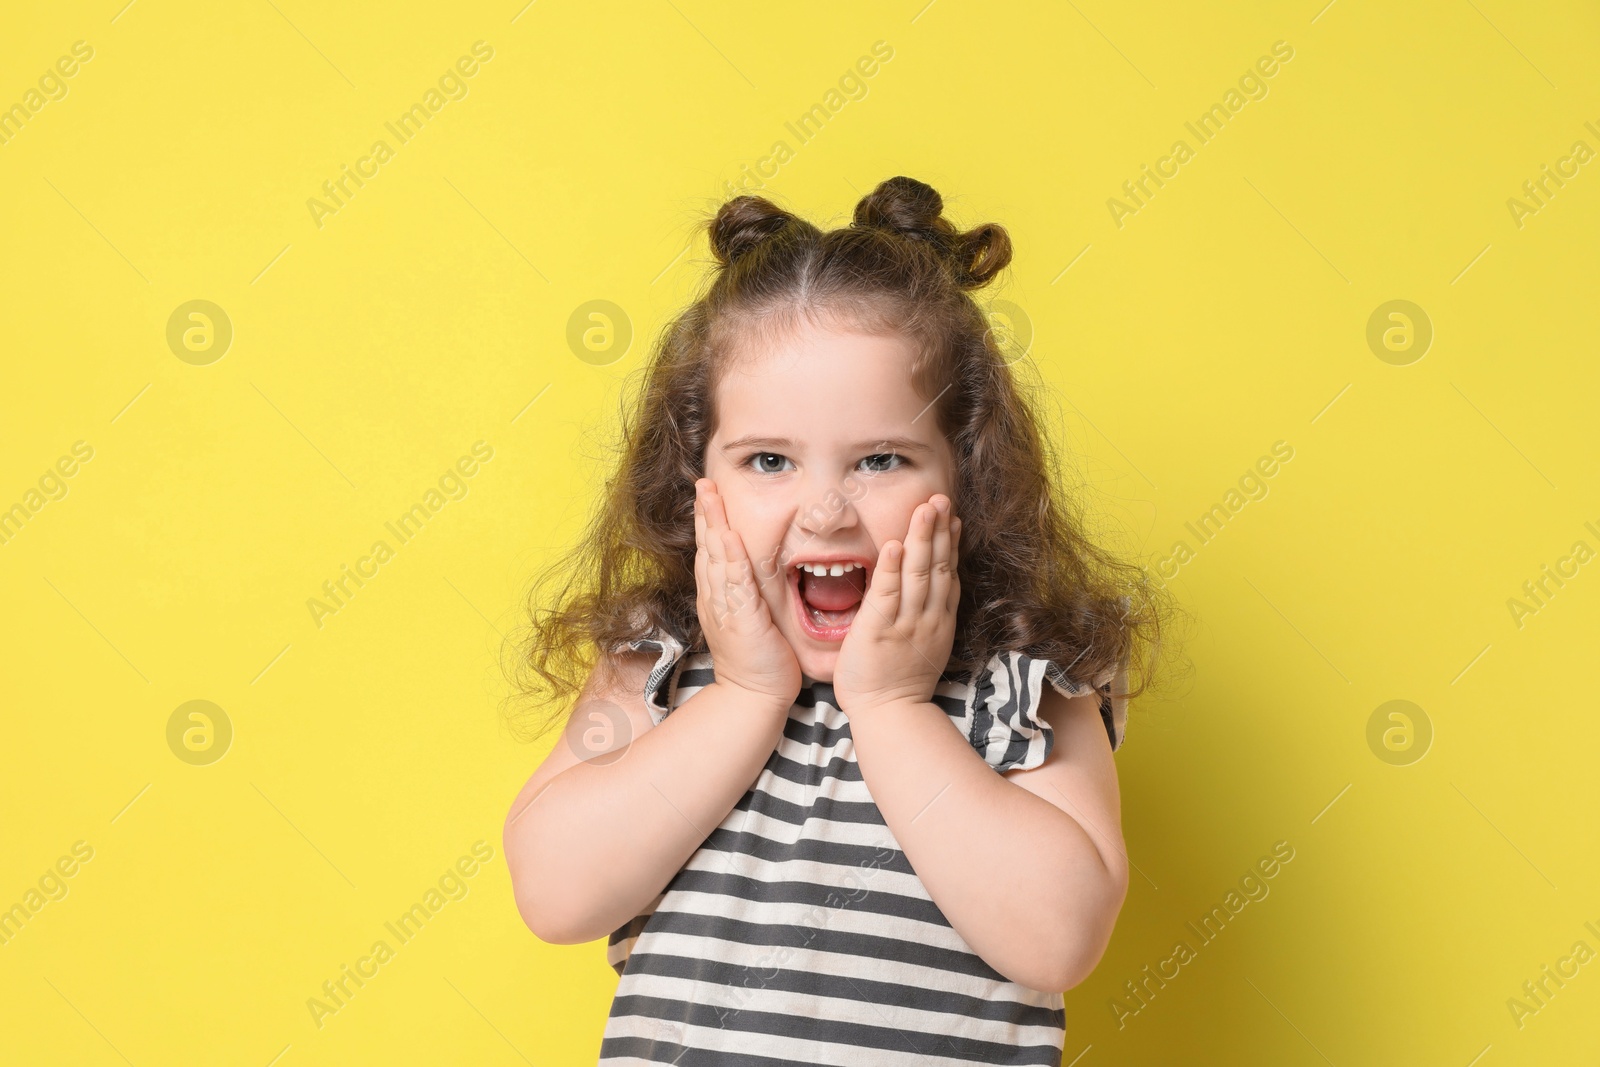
{"x": 755, "y": 699}
{"x": 882, "y": 706}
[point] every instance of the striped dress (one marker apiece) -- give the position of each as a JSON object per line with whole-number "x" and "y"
{"x": 797, "y": 933}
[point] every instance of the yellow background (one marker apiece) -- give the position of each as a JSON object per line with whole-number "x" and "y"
{"x": 372, "y": 352}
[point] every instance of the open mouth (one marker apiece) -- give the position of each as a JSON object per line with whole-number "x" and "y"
{"x": 827, "y": 597}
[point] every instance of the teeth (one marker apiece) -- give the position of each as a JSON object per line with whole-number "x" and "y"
{"x": 834, "y": 569}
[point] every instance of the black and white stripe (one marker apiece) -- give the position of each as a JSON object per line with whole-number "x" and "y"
{"x": 799, "y": 934}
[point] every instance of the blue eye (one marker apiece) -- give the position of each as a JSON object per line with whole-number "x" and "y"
{"x": 756, "y": 459}
{"x": 885, "y": 455}
{"x": 773, "y": 462}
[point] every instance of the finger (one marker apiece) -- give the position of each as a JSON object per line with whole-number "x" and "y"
{"x": 700, "y": 582}
{"x": 955, "y": 574}
{"x": 716, "y": 569}
{"x": 699, "y": 518}
{"x": 767, "y": 568}
{"x": 717, "y": 511}
{"x": 941, "y": 565}
{"x": 743, "y": 596}
{"x": 883, "y": 596}
{"x": 919, "y": 559}
{"x": 711, "y": 519}
{"x": 723, "y": 573}
{"x": 733, "y": 551}
{"x": 769, "y": 581}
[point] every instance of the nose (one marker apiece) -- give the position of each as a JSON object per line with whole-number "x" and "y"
{"x": 826, "y": 506}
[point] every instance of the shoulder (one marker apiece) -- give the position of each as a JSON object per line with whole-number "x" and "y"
{"x": 1077, "y": 719}
{"x": 626, "y": 678}
{"x": 663, "y": 673}
{"x": 1008, "y": 707}
{"x": 620, "y": 677}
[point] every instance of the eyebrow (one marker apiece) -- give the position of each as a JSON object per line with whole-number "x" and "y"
{"x": 899, "y": 444}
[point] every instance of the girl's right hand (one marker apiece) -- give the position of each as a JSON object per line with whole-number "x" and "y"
{"x": 747, "y": 648}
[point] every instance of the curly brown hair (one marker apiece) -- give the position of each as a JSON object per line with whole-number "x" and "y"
{"x": 1031, "y": 580}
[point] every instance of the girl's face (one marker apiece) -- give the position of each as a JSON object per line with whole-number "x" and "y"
{"x": 822, "y": 450}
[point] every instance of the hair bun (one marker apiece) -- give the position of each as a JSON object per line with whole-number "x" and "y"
{"x": 742, "y": 223}
{"x": 916, "y": 210}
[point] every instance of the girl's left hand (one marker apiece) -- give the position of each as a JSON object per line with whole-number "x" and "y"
{"x": 900, "y": 639}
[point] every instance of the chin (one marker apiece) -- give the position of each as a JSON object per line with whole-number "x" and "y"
{"x": 826, "y": 677}
{"x": 818, "y": 666}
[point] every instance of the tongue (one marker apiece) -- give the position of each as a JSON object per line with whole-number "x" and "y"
{"x": 829, "y": 593}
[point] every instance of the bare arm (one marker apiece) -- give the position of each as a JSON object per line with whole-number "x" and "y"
{"x": 1029, "y": 867}
{"x": 604, "y": 824}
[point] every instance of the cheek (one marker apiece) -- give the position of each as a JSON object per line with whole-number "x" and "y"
{"x": 887, "y": 512}
{"x": 759, "y": 523}
{"x": 888, "y": 518}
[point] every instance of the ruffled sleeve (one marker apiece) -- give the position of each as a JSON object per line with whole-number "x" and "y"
{"x": 661, "y": 687}
{"x": 1001, "y": 710}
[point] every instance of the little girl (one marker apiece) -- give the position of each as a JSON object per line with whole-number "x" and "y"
{"x": 814, "y": 787}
